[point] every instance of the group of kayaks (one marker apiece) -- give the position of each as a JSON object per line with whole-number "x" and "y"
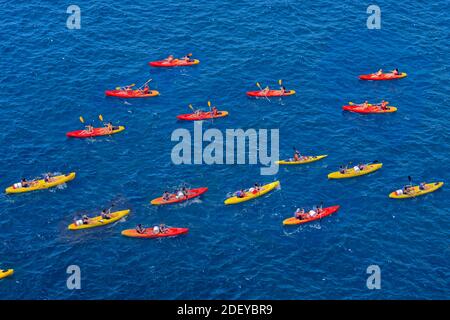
{"x": 184, "y": 194}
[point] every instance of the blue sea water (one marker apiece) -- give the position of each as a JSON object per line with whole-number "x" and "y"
{"x": 51, "y": 75}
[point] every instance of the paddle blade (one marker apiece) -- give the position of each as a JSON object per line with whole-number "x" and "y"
{"x": 350, "y": 103}
{"x": 81, "y": 119}
{"x": 209, "y": 104}
{"x": 409, "y": 178}
{"x": 118, "y": 88}
{"x": 190, "y": 106}
{"x": 280, "y": 82}
{"x": 100, "y": 117}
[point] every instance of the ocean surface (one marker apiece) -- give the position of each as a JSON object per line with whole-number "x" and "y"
{"x": 51, "y": 75}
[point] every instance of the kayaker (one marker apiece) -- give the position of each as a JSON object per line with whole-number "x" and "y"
{"x": 422, "y": 186}
{"x": 146, "y": 89}
{"x": 407, "y": 189}
{"x": 140, "y": 229}
{"x": 89, "y": 128}
{"x": 282, "y": 90}
{"x": 187, "y": 57}
{"x": 342, "y": 169}
{"x": 383, "y": 105}
{"x": 240, "y": 194}
{"x": 162, "y": 228}
{"x": 299, "y": 213}
{"x": 256, "y": 187}
{"x": 166, "y": 196}
{"x": 214, "y": 111}
{"x": 85, "y": 219}
{"x": 185, "y": 191}
{"x": 156, "y": 230}
{"x": 24, "y": 182}
{"x": 169, "y": 58}
{"x": 395, "y": 72}
{"x": 47, "y": 177}
{"x": 365, "y": 104}
{"x": 297, "y": 155}
{"x": 265, "y": 90}
{"x": 180, "y": 194}
{"x": 312, "y": 213}
{"x": 106, "y": 214}
{"x": 379, "y": 72}
{"x": 361, "y": 166}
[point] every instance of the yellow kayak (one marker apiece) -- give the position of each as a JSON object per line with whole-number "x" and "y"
{"x": 41, "y": 184}
{"x": 98, "y": 221}
{"x": 249, "y": 196}
{"x": 350, "y": 173}
{"x": 6, "y": 273}
{"x": 415, "y": 191}
{"x": 308, "y": 159}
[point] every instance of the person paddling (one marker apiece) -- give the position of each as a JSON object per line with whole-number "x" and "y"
{"x": 140, "y": 229}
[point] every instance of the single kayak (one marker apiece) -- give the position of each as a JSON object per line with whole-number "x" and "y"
{"x": 131, "y": 93}
{"x": 192, "y": 193}
{"x": 326, "y": 212}
{"x": 252, "y": 195}
{"x": 97, "y": 132}
{"x": 148, "y": 233}
{"x": 202, "y": 116}
{"x": 6, "y": 273}
{"x": 270, "y": 93}
{"x": 173, "y": 63}
{"x": 350, "y": 173}
{"x": 98, "y": 221}
{"x": 415, "y": 191}
{"x": 369, "y": 109}
{"x": 41, "y": 184}
{"x": 306, "y": 159}
{"x": 383, "y": 76}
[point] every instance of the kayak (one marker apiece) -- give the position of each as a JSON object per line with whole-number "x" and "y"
{"x": 148, "y": 233}
{"x": 173, "y": 63}
{"x": 369, "y": 109}
{"x": 270, "y": 93}
{"x": 202, "y": 116}
{"x": 429, "y": 187}
{"x": 383, "y": 76}
{"x": 6, "y": 273}
{"x": 130, "y": 93}
{"x": 192, "y": 193}
{"x": 309, "y": 159}
{"x": 326, "y": 212}
{"x": 352, "y": 173}
{"x": 249, "y": 196}
{"x": 41, "y": 184}
{"x": 98, "y": 221}
{"x": 97, "y": 132}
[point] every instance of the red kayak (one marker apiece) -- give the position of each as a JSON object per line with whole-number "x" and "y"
{"x": 270, "y": 93}
{"x": 369, "y": 109}
{"x": 131, "y": 93}
{"x": 326, "y": 212}
{"x": 173, "y": 63}
{"x": 148, "y": 233}
{"x": 383, "y": 76}
{"x": 202, "y": 116}
{"x": 97, "y": 132}
{"x": 192, "y": 193}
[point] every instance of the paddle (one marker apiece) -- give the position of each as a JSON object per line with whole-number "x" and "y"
{"x": 260, "y": 88}
{"x": 410, "y": 180}
{"x": 120, "y": 88}
{"x": 210, "y": 112}
{"x": 100, "y": 117}
{"x": 145, "y": 83}
{"x": 81, "y": 119}
{"x": 190, "y": 106}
